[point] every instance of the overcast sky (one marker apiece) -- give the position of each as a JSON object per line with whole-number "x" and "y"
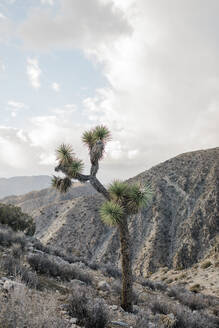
{"x": 147, "y": 69}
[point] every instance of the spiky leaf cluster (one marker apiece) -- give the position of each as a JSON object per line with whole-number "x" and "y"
{"x": 75, "y": 167}
{"x": 125, "y": 197}
{"x": 111, "y": 213}
{"x": 137, "y": 198}
{"x": 61, "y": 184}
{"x": 100, "y": 132}
{"x": 64, "y": 154}
{"x": 118, "y": 191}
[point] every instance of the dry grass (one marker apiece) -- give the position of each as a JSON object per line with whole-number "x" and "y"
{"x": 22, "y": 307}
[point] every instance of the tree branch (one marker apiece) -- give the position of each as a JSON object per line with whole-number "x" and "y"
{"x": 99, "y": 187}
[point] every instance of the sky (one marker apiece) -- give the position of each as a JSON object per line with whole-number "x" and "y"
{"x": 148, "y": 70}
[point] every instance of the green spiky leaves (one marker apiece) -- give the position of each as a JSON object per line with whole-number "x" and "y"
{"x": 100, "y": 132}
{"x": 111, "y": 213}
{"x": 69, "y": 165}
{"x": 64, "y": 154}
{"x": 61, "y": 184}
{"x": 118, "y": 191}
{"x": 88, "y": 138}
{"x": 138, "y": 197}
{"x": 126, "y": 199}
{"x": 76, "y": 167}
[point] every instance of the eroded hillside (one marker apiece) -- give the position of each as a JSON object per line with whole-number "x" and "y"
{"x": 175, "y": 231}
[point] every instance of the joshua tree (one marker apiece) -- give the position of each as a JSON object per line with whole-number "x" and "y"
{"x": 122, "y": 199}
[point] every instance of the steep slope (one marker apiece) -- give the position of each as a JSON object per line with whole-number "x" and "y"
{"x": 176, "y": 230}
{"x": 21, "y": 185}
{"x": 36, "y": 199}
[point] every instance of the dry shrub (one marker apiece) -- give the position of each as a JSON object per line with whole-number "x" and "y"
{"x": 44, "y": 265}
{"x": 26, "y": 308}
{"x": 90, "y": 312}
{"x": 185, "y": 317}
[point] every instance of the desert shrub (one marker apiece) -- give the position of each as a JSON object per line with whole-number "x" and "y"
{"x": 57, "y": 252}
{"x": 11, "y": 266}
{"x": 111, "y": 271}
{"x": 206, "y": 264}
{"x": 9, "y": 237}
{"x": 17, "y": 250}
{"x": 93, "y": 265}
{"x": 42, "y": 264}
{"x": 91, "y": 313}
{"x": 185, "y": 317}
{"x": 16, "y": 219}
{"x": 160, "y": 307}
{"x": 14, "y": 268}
{"x": 153, "y": 285}
{"x": 29, "y": 278}
{"x": 26, "y": 308}
{"x": 193, "y": 301}
{"x": 6, "y": 238}
{"x": 38, "y": 245}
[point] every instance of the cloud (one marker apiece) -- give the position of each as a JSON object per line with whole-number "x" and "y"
{"x": 55, "y": 86}
{"x": 16, "y": 153}
{"x": 14, "y": 107}
{"x": 2, "y": 16}
{"x": 162, "y": 81}
{"x": 79, "y": 23}
{"x": 2, "y": 67}
{"x": 17, "y": 105}
{"x": 47, "y": 2}
{"x": 33, "y": 72}
{"x": 6, "y": 28}
{"x": 65, "y": 110}
{"x": 160, "y": 59}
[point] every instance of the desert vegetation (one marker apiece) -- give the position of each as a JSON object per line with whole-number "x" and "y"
{"x": 40, "y": 288}
{"x": 16, "y": 219}
{"x": 122, "y": 199}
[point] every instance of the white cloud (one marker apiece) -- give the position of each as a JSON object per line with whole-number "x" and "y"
{"x": 163, "y": 92}
{"x": 14, "y": 107}
{"x": 33, "y": 72}
{"x": 47, "y": 2}
{"x": 71, "y": 107}
{"x": 163, "y": 79}
{"x": 17, "y": 105}
{"x": 2, "y": 16}
{"x": 55, "y": 86}
{"x": 15, "y": 151}
{"x": 6, "y": 28}
{"x": 78, "y": 23}
{"x": 2, "y": 67}
{"x": 65, "y": 110}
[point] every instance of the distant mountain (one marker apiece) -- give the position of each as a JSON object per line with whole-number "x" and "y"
{"x": 176, "y": 230}
{"x": 23, "y": 184}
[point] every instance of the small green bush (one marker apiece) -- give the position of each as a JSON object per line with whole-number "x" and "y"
{"x": 16, "y": 219}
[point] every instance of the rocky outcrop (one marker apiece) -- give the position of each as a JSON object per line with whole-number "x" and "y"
{"x": 176, "y": 230}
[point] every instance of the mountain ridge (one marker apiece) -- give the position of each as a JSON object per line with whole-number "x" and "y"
{"x": 176, "y": 230}
{"x": 23, "y": 184}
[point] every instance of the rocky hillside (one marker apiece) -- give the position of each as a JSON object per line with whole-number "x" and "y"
{"x": 175, "y": 231}
{"x": 21, "y": 185}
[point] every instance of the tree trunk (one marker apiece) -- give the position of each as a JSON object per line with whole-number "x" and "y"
{"x": 127, "y": 280}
